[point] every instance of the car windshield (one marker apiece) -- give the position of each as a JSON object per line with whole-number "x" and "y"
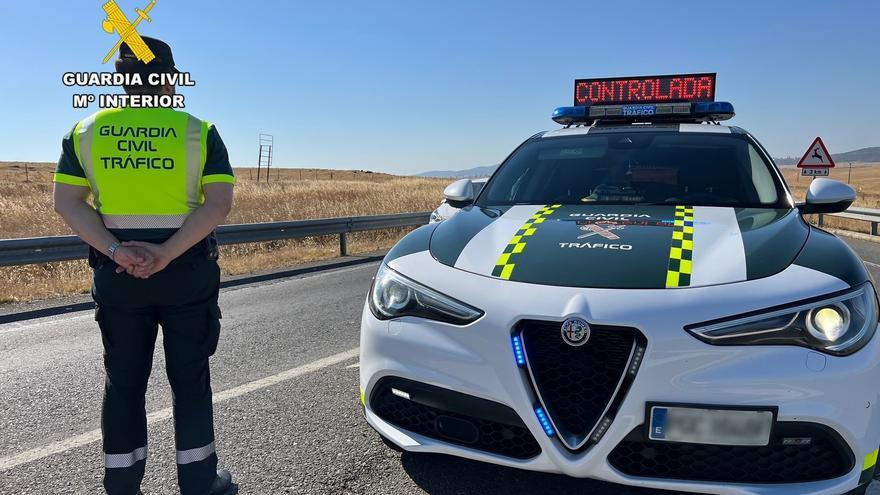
{"x": 637, "y": 167}
{"x": 478, "y": 186}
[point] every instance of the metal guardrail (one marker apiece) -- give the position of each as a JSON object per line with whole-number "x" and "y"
{"x": 871, "y": 215}
{"x": 30, "y": 250}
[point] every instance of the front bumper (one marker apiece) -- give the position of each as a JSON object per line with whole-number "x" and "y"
{"x": 477, "y": 360}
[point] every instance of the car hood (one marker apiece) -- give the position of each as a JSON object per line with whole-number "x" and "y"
{"x": 623, "y": 247}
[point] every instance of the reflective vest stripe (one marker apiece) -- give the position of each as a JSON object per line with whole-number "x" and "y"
{"x": 72, "y": 180}
{"x": 84, "y": 133}
{"x": 144, "y": 221}
{"x": 194, "y": 161}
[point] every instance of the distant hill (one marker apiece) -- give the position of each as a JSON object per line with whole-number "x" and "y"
{"x": 454, "y": 174}
{"x": 864, "y": 155}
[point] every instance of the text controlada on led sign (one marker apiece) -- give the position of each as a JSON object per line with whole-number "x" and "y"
{"x": 652, "y": 89}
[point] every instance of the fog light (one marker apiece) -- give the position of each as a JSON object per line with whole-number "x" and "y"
{"x": 828, "y": 323}
{"x": 400, "y": 393}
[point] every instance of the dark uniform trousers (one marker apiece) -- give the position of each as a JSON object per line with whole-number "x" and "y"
{"x": 183, "y": 300}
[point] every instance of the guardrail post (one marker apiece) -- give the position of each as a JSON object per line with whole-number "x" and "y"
{"x": 874, "y": 228}
{"x": 343, "y": 244}
{"x": 821, "y": 220}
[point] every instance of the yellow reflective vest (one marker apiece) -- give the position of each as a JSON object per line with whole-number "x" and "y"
{"x": 145, "y": 166}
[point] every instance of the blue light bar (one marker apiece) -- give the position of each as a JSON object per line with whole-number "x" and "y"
{"x": 518, "y": 353}
{"x": 570, "y": 115}
{"x": 714, "y": 110}
{"x": 654, "y": 112}
{"x": 545, "y": 421}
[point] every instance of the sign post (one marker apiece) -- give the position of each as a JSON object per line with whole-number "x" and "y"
{"x": 817, "y": 161}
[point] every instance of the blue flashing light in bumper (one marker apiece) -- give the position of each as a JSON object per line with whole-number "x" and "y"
{"x": 518, "y": 353}
{"x": 545, "y": 421}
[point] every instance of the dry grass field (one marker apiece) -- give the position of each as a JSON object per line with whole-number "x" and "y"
{"x": 292, "y": 194}
{"x": 28, "y": 212}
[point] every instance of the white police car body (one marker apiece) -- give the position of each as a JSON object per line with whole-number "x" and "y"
{"x": 636, "y": 300}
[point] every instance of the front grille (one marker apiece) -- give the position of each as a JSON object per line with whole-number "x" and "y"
{"x": 577, "y": 385}
{"x": 455, "y": 418}
{"x": 825, "y": 457}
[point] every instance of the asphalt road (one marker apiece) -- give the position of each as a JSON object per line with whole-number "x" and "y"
{"x": 288, "y": 418}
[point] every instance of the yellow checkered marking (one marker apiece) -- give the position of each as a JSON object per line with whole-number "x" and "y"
{"x": 869, "y": 466}
{"x": 870, "y": 460}
{"x": 505, "y": 264}
{"x": 681, "y": 251}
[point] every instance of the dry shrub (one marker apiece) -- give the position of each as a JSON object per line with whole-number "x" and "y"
{"x": 31, "y": 282}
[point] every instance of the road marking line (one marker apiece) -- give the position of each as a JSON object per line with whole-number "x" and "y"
{"x": 355, "y": 365}
{"x": 87, "y": 313}
{"x": 54, "y": 320}
{"x": 71, "y": 443}
{"x": 875, "y": 265}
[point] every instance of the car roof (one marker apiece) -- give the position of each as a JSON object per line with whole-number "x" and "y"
{"x": 659, "y": 127}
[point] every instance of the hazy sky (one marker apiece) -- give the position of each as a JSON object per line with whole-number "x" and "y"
{"x": 407, "y": 86}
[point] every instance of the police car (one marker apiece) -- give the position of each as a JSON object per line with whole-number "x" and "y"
{"x": 451, "y": 205}
{"x": 634, "y": 297}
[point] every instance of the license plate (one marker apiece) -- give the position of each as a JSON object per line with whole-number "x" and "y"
{"x": 710, "y": 426}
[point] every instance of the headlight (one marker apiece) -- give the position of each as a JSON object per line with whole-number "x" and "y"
{"x": 394, "y": 295}
{"x": 435, "y": 217}
{"x": 839, "y": 324}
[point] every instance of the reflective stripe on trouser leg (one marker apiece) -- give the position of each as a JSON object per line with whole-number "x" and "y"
{"x": 129, "y": 336}
{"x": 190, "y": 331}
{"x": 193, "y": 427}
{"x": 128, "y": 459}
{"x": 195, "y": 455}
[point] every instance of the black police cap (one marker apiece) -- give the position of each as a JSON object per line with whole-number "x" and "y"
{"x": 164, "y": 61}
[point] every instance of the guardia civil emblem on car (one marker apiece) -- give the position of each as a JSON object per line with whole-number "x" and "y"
{"x": 575, "y": 332}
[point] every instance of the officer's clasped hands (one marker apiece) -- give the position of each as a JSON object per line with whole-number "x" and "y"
{"x": 129, "y": 257}
{"x": 141, "y": 259}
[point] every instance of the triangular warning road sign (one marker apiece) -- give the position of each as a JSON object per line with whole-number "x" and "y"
{"x": 817, "y": 155}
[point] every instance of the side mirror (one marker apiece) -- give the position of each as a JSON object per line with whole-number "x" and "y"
{"x": 460, "y": 193}
{"x": 827, "y": 196}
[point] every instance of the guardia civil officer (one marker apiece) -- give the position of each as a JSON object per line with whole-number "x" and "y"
{"x": 160, "y": 182}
